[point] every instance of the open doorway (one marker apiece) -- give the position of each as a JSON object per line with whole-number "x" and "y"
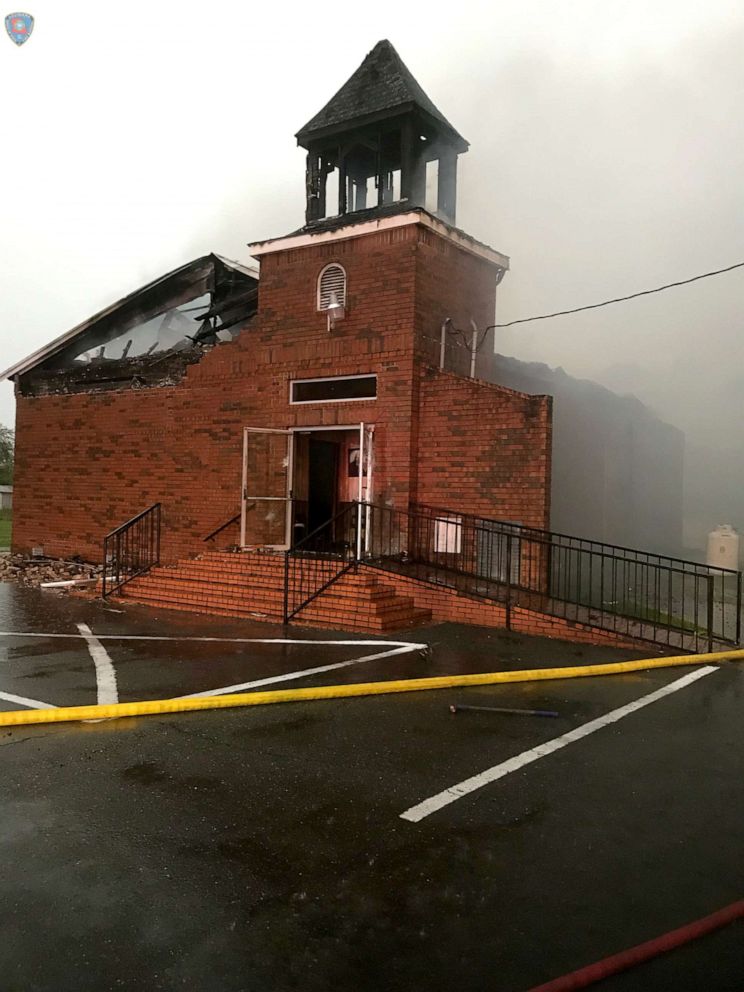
{"x": 333, "y": 470}
{"x": 299, "y": 482}
{"x": 322, "y": 482}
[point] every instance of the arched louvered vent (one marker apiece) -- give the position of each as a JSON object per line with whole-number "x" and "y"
{"x": 331, "y": 280}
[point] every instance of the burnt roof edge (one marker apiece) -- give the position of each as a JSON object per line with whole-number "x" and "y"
{"x": 58, "y": 343}
{"x": 306, "y": 138}
{"x": 351, "y": 226}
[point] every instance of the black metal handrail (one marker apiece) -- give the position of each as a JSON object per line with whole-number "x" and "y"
{"x": 641, "y": 595}
{"x": 586, "y": 543}
{"x": 320, "y": 558}
{"x": 131, "y": 549}
{"x": 672, "y": 594}
{"x": 218, "y": 530}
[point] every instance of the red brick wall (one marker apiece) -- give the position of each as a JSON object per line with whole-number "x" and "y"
{"x": 452, "y": 283}
{"x": 484, "y": 449}
{"x": 450, "y": 606}
{"x": 86, "y": 462}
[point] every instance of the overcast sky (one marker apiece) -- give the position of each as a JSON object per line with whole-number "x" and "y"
{"x": 607, "y": 156}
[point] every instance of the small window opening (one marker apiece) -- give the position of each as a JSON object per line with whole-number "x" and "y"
{"x": 331, "y": 193}
{"x": 431, "y": 202}
{"x": 362, "y": 193}
{"x": 391, "y": 186}
{"x": 448, "y": 535}
{"x": 331, "y": 286}
{"x": 334, "y": 389}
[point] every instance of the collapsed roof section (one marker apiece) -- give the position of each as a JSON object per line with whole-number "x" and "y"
{"x": 149, "y": 336}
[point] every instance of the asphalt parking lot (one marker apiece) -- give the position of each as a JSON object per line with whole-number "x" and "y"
{"x": 267, "y": 848}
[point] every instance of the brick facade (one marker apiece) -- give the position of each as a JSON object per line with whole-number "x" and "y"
{"x": 446, "y": 605}
{"x": 87, "y": 461}
{"x": 484, "y": 449}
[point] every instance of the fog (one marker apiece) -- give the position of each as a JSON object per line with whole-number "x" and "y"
{"x": 607, "y": 150}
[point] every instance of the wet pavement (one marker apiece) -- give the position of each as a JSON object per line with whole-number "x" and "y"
{"x": 263, "y": 849}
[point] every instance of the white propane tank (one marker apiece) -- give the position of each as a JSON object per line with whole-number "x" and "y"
{"x": 723, "y": 547}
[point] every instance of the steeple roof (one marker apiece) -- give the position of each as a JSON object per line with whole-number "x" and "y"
{"x": 382, "y": 86}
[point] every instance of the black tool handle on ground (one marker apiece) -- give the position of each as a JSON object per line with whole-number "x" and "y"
{"x": 501, "y": 709}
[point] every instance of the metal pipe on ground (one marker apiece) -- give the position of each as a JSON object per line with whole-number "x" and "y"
{"x": 459, "y": 707}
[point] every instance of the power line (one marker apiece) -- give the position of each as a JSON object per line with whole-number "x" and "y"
{"x": 618, "y": 299}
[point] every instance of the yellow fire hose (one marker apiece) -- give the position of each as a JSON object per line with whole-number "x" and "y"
{"x": 151, "y": 707}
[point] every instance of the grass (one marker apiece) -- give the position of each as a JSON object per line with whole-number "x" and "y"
{"x": 6, "y": 525}
{"x": 659, "y": 617}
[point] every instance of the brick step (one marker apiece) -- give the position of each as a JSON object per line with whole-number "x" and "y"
{"x": 251, "y": 585}
{"x": 386, "y": 622}
{"x": 337, "y": 596}
{"x": 250, "y": 577}
{"x": 376, "y": 597}
{"x": 375, "y": 625}
{"x": 237, "y": 562}
{"x": 394, "y": 614}
{"x": 251, "y": 559}
{"x": 236, "y": 557}
{"x": 370, "y": 587}
{"x": 203, "y": 604}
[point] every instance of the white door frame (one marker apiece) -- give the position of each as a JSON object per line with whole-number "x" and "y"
{"x": 287, "y": 499}
{"x": 364, "y": 492}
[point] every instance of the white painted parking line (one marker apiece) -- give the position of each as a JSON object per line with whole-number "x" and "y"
{"x": 107, "y": 690}
{"x": 455, "y": 792}
{"x": 33, "y": 704}
{"x": 219, "y": 640}
{"x": 289, "y": 676}
{"x": 105, "y": 672}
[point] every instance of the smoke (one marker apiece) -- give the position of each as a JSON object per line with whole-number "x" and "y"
{"x": 600, "y": 180}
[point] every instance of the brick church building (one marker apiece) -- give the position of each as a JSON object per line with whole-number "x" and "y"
{"x": 337, "y": 392}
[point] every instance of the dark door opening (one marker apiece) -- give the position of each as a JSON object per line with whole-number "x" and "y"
{"x": 322, "y": 486}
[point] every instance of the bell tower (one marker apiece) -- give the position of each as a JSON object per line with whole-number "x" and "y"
{"x": 380, "y": 145}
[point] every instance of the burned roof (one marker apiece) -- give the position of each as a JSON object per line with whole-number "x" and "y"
{"x": 233, "y": 289}
{"x": 381, "y": 87}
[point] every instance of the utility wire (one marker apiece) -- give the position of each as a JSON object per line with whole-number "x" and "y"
{"x": 464, "y": 342}
{"x": 619, "y": 299}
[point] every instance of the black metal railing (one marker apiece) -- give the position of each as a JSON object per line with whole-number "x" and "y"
{"x": 228, "y": 523}
{"x": 651, "y": 596}
{"x": 319, "y": 559}
{"x": 639, "y": 594}
{"x": 131, "y": 550}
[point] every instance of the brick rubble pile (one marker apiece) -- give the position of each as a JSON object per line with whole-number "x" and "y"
{"x": 34, "y": 571}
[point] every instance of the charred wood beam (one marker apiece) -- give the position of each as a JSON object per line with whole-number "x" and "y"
{"x": 232, "y": 303}
{"x": 179, "y": 289}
